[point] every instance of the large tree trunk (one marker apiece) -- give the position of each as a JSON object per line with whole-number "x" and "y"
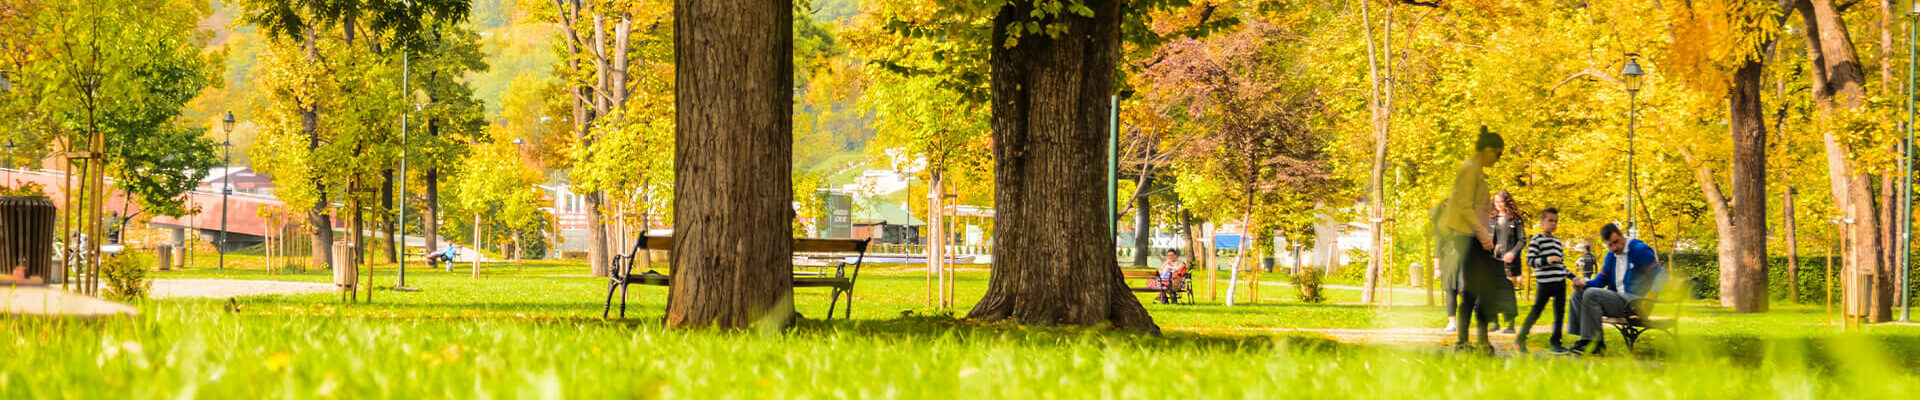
{"x": 733, "y": 197}
{"x": 1744, "y": 283}
{"x": 1843, "y": 88}
{"x": 1054, "y": 262}
{"x": 317, "y": 213}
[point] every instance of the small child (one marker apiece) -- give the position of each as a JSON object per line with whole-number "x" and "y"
{"x": 1545, "y": 254}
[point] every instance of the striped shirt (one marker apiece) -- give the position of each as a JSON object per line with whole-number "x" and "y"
{"x": 1539, "y": 250}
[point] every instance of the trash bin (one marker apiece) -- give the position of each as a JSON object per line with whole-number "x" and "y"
{"x": 26, "y": 236}
{"x": 164, "y": 255}
{"x": 344, "y": 274}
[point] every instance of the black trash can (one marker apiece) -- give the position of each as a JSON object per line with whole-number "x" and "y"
{"x": 26, "y": 235}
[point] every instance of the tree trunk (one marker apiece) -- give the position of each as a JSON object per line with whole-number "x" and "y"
{"x": 1054, "y": 262}
{"x": 1744, "y": 283}
{"x": 1378, "y": 105}
{"x": 1729, "y": 241}
{"x": 1853, "y": 194}
{"x": 1793, "y": 243}
{"x": 1882, "y": 281}
{"x": 732, "y": 264}
{"x": 430, "y": 214}
{"x": 317, "y": 213}
{"x": 386, "y": 216}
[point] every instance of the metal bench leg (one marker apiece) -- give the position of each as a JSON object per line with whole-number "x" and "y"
{"x": 832, "y": 303}
{"x": 849, "y": 314}
{"x": 623, "y": 300}
{"x": 605, "y": 311}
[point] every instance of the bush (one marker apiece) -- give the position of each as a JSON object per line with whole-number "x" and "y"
{"x": 1701, "y": 272}
{"x": 126, "y": 276}
{"x": 1308, "y": 281}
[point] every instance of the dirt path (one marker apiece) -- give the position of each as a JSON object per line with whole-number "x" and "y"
{"x": 225, "y": 288}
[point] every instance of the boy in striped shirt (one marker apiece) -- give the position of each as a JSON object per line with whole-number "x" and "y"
{"x": 1546, "y": 254}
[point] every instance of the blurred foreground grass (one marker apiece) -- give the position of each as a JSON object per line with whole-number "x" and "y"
{"x": 534, "y": 331}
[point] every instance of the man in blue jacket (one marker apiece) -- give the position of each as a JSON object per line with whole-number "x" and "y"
{"x": 1610, "y": 294}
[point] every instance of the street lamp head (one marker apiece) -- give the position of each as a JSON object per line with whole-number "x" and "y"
{"x": 1916, "y": 9}
{"x": 518, "y": 141}
{"x": 227, "y": 122}
{"x": 1631, "y": 74}
{"x": 5, "y": 85}
{"x": 9, "y": 144}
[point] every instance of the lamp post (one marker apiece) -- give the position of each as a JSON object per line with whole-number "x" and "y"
{"x": 400, "y": 284}
{"x": 1630, "y": 76}
{"x": 226, "y": 185}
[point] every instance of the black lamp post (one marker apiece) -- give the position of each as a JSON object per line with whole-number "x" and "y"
{"x": 226, "y": 185}
{"x": 1630, "y": 76}
{"x": 9, "y": 161}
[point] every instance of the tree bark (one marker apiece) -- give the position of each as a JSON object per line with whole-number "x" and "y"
{"x": 1729, "y": 241}
{"x": 732, "y": 264}
{"x": 1746, "y": 290}
{"x": 1142, "y": 221}
{"x": 317, "y": 213}
{"x": 1793, "y": 243}
{"x": 1853, "y": 193}
{"x": 1054, "y": 262}
{"x": 431, "y": 212}
{"x": 386, "y": 216}
{"x": 1379, "y": 102}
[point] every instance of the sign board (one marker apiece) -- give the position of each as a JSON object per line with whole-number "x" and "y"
{"x": 839, "y": 216}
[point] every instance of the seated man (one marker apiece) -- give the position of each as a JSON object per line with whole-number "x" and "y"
{"x": 1612, "y": 291}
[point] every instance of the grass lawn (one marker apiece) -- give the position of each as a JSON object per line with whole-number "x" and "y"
{"x": 535, "y": 331}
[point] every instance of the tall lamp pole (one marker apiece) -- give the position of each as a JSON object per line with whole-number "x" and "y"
{"x": 226, "y": 185}
{"x": 1630, "y": 76}
{"x": 401, "y": 283}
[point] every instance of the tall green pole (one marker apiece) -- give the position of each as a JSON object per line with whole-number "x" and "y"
{"x": 1113, "y": 167}
{"x": 405, "y": 92}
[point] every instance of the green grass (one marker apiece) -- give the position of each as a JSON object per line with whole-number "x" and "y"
{"x": 535, "y": 331}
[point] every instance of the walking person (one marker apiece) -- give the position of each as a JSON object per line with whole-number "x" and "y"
{"x": 1509, "y": 235}
{"x": 1547, "y": 256}
{"x": 1465, "y": 222}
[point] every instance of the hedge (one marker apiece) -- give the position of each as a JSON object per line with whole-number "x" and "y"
{"x": 1702, "y": 272}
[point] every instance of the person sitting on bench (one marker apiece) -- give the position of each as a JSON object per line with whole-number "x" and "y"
{"x": 1172, "y": 275}
{"x": 443, "y": 256}
{"x": 1611, "y": 292}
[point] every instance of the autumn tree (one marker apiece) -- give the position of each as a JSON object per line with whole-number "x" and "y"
{"x": 733, "y": 153}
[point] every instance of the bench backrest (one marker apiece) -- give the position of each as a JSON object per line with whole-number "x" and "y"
{"x": 800, "y": 245}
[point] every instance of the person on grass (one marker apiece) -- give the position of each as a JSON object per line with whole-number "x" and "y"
{"x": 1546, "y": 255}
{"x": 1465, "y": 222}
{"x": 1509, "y": 235}
{"x": 1631, "y": 272}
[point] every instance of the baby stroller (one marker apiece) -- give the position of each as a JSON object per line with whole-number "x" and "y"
{"x": 1173, "y": 286}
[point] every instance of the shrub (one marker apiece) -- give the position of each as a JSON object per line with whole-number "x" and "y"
{"x": 1308, "y": 281}
{"x": 126, "y": 276}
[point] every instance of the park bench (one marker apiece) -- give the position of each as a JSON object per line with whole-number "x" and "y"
{"x": 832, "y": 274}
{"x": 1640, "y": 319}
{"x": 1175, "y": 291}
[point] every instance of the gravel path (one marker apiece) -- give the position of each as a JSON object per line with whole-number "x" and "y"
{"x": 225, "y": 288}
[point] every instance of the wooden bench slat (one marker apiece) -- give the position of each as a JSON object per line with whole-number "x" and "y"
{"x": 1139, "y": 274}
